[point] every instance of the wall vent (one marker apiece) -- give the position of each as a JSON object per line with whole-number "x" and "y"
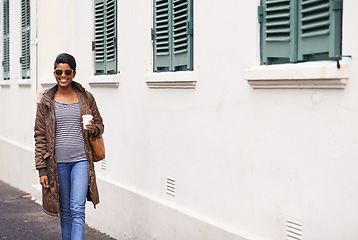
{"x": 293, "y": 230}
{"x": 171, "y": 186}
{"x": 104, "y": 164}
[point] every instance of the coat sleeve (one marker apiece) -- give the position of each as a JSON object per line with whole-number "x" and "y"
{"x": 98, "y": 121}
{"x": 41, "y": 152}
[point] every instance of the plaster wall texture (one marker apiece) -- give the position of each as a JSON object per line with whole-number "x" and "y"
{"x": 244, "y": 160}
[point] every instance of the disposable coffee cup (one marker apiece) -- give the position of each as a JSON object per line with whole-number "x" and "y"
{"x": 86, "y": 120}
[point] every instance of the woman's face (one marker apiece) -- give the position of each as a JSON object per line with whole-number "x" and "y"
{"x": 62, "y": 78}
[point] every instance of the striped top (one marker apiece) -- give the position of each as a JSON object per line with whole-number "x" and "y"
{"x": 69, "y": 144}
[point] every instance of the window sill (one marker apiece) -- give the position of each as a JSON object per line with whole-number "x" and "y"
{"x": 104, "y": 81}
{"x": 24, "y": 82}
{"x": 4, "y": 83}
{"x": 48, "y": 82}
{"x": 310, "y": 75}
{"x": 171, "y": 80}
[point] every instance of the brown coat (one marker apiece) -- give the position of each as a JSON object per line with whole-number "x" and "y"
{"x": 45, "y": 157}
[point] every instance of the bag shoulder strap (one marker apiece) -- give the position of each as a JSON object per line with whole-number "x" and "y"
{"x": 90, "y": 101}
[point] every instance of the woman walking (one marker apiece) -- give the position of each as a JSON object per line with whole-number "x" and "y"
{"x": 63, "y": 153}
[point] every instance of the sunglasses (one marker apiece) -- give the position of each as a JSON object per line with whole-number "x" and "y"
{"x": 67, "y": 72}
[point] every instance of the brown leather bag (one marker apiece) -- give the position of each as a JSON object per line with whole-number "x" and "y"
{"x": 97, "y": 145}
{"x": 98, "y": 151}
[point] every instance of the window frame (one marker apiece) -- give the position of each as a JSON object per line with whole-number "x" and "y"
{"x": 172, "y": 35}
{"x": 314, "y": 74}
{"x": 105, "y": 41}
{"x": 282, "y": 26}
{"x": 25, "y": 38}
{"x": 6, "y": 40}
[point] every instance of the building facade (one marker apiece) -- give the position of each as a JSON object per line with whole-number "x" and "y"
{"x": 223, "y": 120}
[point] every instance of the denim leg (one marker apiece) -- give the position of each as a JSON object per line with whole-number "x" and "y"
{"x": 79, "y": 183}
{"x": 64, "y": 177}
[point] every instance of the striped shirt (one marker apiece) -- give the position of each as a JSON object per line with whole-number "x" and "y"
{"x": 69, "y": 144}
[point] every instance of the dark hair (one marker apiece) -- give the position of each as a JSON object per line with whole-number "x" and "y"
{"x": 65, "y": 58}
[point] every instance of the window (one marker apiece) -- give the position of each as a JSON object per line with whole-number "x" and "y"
{"x": 6, "y": 41}
{"x": 173, "y": 35}
{"x": 105, "y": 46}
{"x": 25, "y": 39}
{"x": 300, "y": 30}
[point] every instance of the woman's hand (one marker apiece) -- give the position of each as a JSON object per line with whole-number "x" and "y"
{"x": 90, "y": 127}
{"x": 44, "y": 181}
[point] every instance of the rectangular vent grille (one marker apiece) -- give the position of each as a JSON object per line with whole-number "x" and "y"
{"x": 293, "y": 230}
{"x": 171, "y": 186}
{"x": 104, "y": 164}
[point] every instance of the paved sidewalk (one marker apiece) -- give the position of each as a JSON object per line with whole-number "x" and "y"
{"x": 21, "y": 218}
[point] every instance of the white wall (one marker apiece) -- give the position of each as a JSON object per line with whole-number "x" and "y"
{"x": 245, "y": 160}
{"x": 17, "y": 107}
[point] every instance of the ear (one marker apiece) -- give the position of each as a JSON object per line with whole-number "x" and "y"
{"x": 74, "y": 74}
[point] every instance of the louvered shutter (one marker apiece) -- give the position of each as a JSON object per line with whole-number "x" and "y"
{"x": 25, "y": 39}
{"x": 278, "y": 20}
{"x": 319, "y": 29}
{"x": 182, "y": 26}
{"x": 162, "y": 36}
{"x": 111, "y": 36}
{"x": 105, "y": 16}
{"x": 6, "y": 39}
{"x": 99, "y": 31}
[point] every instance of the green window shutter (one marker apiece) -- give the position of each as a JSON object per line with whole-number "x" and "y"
{"x": 278, "y": 20}
{"x": 6, "y": 40}
{"x": 319, "y": 29}
{"x": 182, "y": 35}
{"x": 173, "y": 35}
{"x": 162, "y": 58}
{"x": 105, "y": 36}
{"x": 99, "y": 31}
{"x": 111, "y": 36}
{"x": 25, "y": 39}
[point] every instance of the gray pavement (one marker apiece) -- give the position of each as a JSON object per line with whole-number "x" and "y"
{"x": 23, "y": 219}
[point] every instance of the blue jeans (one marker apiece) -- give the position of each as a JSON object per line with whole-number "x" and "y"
{"x": 73, "y": 179}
